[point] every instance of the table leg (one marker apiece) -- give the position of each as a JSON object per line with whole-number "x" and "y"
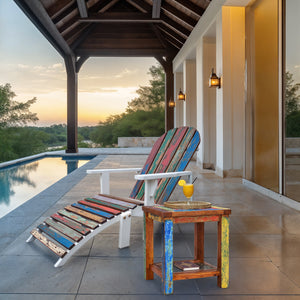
{"x": 148, "y": 247}
{"x": 167, "y": 261}
{"x": 199, "y": 241}
{"x": 223, "y": 252}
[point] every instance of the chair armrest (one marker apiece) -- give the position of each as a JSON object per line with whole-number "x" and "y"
{"x": 104, "y": 176}
{"x": 162, "y": 175}
{"x": 151, "y": 182}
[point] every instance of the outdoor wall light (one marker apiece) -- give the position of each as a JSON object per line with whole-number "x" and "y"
{"x": 171, "y": 103}
{"x": 214, "y": 80}
{"x": 181, "y": 95}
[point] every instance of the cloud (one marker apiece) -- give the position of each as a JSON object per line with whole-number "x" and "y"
{"x": 21, "y": 66}
{"x": 125, "y": 72}
{"x": 57, "y": 66}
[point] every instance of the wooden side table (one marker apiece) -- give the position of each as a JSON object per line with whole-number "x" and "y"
{"x": 168, "y": 217}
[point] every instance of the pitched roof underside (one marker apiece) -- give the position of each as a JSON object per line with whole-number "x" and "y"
{"x": 86, "y": 28}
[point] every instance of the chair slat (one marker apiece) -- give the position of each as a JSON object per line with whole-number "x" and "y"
{"x": 105, "y": 203}
{"x": 101, "y": 207}
{"x": 74, "y": 225}
{"x": 171, "y": 151}
{"x": 48, "y": 243}
{"x": 173, "y": 166}
{"x": 93, "y": 211}
{"x": 78, "y": 218}
{"x": 115, "y": 201}
{"x": 156, "y": 161}
{"x": 56, "y": 236}
{"x": 147, "y": 165}
{"x": 181, "y": 166}
{"x": 74, "y": 235}
{"x": 85, "y": 214}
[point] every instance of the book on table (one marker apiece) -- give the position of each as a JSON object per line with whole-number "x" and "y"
{"x": 186, "y": 265}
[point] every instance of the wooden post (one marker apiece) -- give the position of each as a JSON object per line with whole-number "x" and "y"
{"x": 167, "y": 262}
{"x": 72, "y": 104}
{"x": 199, "y": 241}
{"x": 169, "y": 91}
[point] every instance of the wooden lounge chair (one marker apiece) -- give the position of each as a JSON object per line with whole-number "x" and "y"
{"x": 71, "y": 227}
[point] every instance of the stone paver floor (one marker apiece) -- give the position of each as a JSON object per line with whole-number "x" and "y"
{"x": 264, "y": 249}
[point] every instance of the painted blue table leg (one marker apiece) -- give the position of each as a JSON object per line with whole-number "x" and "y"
{"x": 167, "y": 261}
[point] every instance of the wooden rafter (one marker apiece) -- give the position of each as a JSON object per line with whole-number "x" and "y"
{"x": 179, "y": 14}
{"x": 80, "y": 25}
{"x": 156, "y": 9}
{"x": 191, "y": 6}
{"x": 82, "y": 8}
{"x": 39, "y": 16}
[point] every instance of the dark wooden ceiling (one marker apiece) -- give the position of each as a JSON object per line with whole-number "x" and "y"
{"x": 85, "y": 28}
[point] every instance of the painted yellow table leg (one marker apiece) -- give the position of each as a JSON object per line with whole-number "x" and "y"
{"x": 223, "y": 249}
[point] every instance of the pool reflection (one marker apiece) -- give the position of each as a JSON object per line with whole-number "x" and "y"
{"x": 22, "y": 182}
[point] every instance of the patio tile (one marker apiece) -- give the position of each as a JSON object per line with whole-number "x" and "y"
{"x": 137, "y": 297}
{"x": 125, "y": 277}
{"x": 36, "y": 297}
{"x": 106, "y": 245}
{"x": 246, "y": 297}
{"x": 289, "y": 266}
{"x": 285, "y": 245}
{"x": 250, "y": 277}
{"x": 25, "y": 274}
{"x": 239, "y": 246}
{"x": 255, "y": 224}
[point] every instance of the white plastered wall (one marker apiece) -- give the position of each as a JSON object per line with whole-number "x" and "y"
{"x": 229, "y": 24}
{"x": 230, "y": 105}
{"x": 189, "y": 86}
{"x": 206, "y": 101}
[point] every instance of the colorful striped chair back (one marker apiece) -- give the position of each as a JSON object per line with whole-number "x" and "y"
{"x": 171, "y": 152}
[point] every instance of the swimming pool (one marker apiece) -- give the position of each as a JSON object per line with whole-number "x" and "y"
{"x": 21, "y": 182}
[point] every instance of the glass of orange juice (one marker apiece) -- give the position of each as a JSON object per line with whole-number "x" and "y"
{"x": 188, "y": 190}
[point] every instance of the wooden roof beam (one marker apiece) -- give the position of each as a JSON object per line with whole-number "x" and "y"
{"x": 192, "y": 7}
{"x": 159, "y": 35}
{"x": 58, "y": 7}
{"x": 82, "y": 8}
{"x": 141, "y": 5}
{"x": 137, "y": 6}
{"x": 171, "y": 23}
{"x": 172, "y": 33}
{"x": 112, "y": 52}
{"x": 179, "y": 14}
{"x": 37, "y": 13}
{"x": 156, "y": 9}
{"x": 117, "y": 17}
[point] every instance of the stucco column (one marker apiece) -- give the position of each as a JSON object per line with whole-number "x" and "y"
{"x": 230, "y": 111}
{"x": 189, "y": 88}
{"x": 206, "y": 103}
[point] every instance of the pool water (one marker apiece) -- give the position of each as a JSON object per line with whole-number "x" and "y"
{"x": 21, "y": 182}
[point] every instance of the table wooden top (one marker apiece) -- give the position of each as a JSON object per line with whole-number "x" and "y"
{"x": 166, "y": 213}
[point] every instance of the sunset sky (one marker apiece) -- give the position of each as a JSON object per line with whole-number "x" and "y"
{"x": 34, "y": 69}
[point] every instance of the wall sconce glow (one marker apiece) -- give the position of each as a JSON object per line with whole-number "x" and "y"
{"x": 181, "y": 95}
{"x": 214, "y": 80}
{"x": 171, "y": 103}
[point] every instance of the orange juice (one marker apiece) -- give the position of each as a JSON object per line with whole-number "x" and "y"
{"x": 188, "y": 190}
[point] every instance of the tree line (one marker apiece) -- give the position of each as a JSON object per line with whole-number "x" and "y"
{"x": 144, "y": 116}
